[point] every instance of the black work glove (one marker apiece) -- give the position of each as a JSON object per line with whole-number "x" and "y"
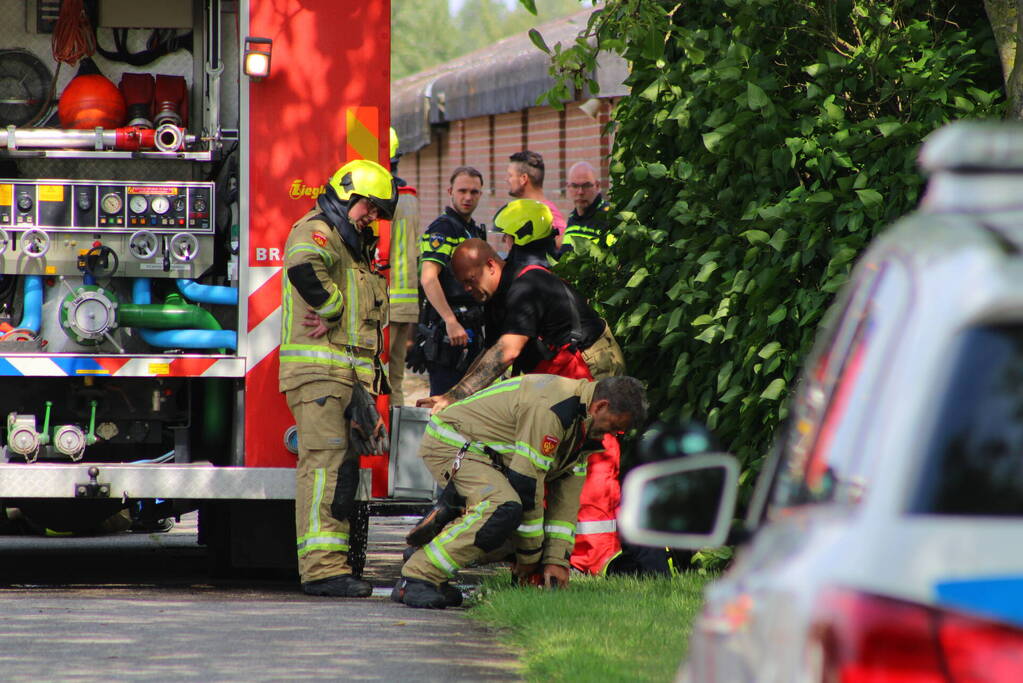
{"x": 368, "y": 434}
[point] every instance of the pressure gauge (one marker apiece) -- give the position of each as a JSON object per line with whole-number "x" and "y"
{"x": 111, "y": 203}
{"x": 179, "y": 204}
{"x": 138, "y": 204}
{"x": 199, "y": 205}
{"x": 160, "y": 204}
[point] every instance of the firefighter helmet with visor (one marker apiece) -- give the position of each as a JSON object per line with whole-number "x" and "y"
{"x": 525, "y": 221}
{"x": 364, "y": 178}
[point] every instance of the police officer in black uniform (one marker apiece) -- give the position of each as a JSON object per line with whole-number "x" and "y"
{"x": 450, "y": 333}
{"x": 589, "y": 218}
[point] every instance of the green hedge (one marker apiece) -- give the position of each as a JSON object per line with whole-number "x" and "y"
{"x": 763, "y": 144}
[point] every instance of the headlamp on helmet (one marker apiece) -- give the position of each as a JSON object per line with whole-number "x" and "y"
{"x": 525, "y": 221}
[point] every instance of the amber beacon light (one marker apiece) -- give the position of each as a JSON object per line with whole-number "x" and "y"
{"x": 257, "y": 57}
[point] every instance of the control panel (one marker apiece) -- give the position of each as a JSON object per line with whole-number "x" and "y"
{"x": 71, "y": 227}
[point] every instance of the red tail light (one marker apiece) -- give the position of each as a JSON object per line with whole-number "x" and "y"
{"x": 978, "y": 650}
{"x": 862, "y": 638}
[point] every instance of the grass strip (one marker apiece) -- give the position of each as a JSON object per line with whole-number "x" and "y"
{"x": 599, "y": 629}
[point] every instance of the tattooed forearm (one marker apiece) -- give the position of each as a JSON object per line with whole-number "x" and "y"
{"x": 484, "y": 370}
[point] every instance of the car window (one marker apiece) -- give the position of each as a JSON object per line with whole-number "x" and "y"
{"x": 822, "y": 460}
{"x": 974, "y": 456}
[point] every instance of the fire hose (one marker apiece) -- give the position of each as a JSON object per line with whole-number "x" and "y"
{"x": 165, "y": 138}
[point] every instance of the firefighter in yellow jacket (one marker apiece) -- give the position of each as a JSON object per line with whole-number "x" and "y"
{"x": 403, "y": 290}
{"x": 334, "y": 310}
{"x": 503, "y": 448}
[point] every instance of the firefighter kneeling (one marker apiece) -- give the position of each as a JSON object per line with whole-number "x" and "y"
{"x": 502, "y": 448}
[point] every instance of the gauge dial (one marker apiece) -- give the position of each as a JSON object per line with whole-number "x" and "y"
{"x": 138, "y": 204}
{"x": 112, "y": 203}
{"x": 199, "y": 205}
{"x": 160, "y": 204}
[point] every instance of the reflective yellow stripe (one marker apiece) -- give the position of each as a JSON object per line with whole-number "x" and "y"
{"x": 435, "y": 550}
{"x": 499, "y": 388}
{"x": 560, "y": 530}
{"x": 286, "y": 310}
{"x": 592, "y": 234}
{"x": 329, "y": 541}
{"x": 311, "y": 248}
{"x": 332, "y": 307}
{"x": 319, "y": 477}
{"x": 352, "y": 295}
{"x": 440, "y": 430}
{"x": 399, "y": 256}
{"x": 530, "y": 528}
{"x": 403, "y": 296}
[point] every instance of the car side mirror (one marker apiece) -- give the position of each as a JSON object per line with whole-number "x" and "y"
{"x": 684, "y": 503}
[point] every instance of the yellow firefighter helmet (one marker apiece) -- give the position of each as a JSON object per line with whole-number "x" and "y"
{"x": 364, "y": 178}
{"x": 525, "y": 221}
{"x": 394, "y": 143}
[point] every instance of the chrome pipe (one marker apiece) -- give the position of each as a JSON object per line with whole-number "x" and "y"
{"x": 99, "y": 138}
{"x": 166, "y": 138}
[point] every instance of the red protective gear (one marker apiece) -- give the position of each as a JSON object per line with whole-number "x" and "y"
{"x": 596, "y": 534}
{"x": 566, "y": 363}
{"x": 596, "y": 537}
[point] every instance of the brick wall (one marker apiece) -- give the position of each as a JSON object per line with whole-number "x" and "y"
{"x": 562, "y": 137}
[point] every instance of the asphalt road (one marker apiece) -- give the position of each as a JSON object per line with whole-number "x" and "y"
{"x": 142, "y": 607}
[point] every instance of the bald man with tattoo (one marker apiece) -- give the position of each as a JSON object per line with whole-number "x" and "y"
{"x": 536, "y": 322}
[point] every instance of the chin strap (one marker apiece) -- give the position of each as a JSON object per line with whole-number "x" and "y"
{"x": 335, "y": 211}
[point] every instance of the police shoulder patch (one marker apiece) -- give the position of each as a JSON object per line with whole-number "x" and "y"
{"x": 320, "y": 238}
{"x": 549, "y": 444}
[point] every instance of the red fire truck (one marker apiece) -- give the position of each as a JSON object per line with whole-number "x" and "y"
{"x": 140, "y": 254}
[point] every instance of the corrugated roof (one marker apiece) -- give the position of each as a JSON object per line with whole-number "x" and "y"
{"x": 507, "y": 76}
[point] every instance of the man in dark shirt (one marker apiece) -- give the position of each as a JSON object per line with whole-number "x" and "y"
{"x": 538, "y": 305}
{"x": 534, "y": 319}
{"x": 452, "y": 321}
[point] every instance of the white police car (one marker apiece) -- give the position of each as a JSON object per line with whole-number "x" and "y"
{"x": 887, "y": 526}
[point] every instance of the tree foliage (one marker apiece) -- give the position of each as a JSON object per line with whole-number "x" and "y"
{"x": 763, "y": 144}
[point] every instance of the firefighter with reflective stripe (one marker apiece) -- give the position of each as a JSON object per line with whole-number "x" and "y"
{"x": 503, "y": 449}
{"x": 403, "y": 294}
{"x": 544, "y": 326}
{"x": 334, "y": 308}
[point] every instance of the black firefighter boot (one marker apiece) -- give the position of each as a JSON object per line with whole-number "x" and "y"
{"x": 419, "y": 593}
{"x": 343, "y": 586}
{"x": 449, "y": 506}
